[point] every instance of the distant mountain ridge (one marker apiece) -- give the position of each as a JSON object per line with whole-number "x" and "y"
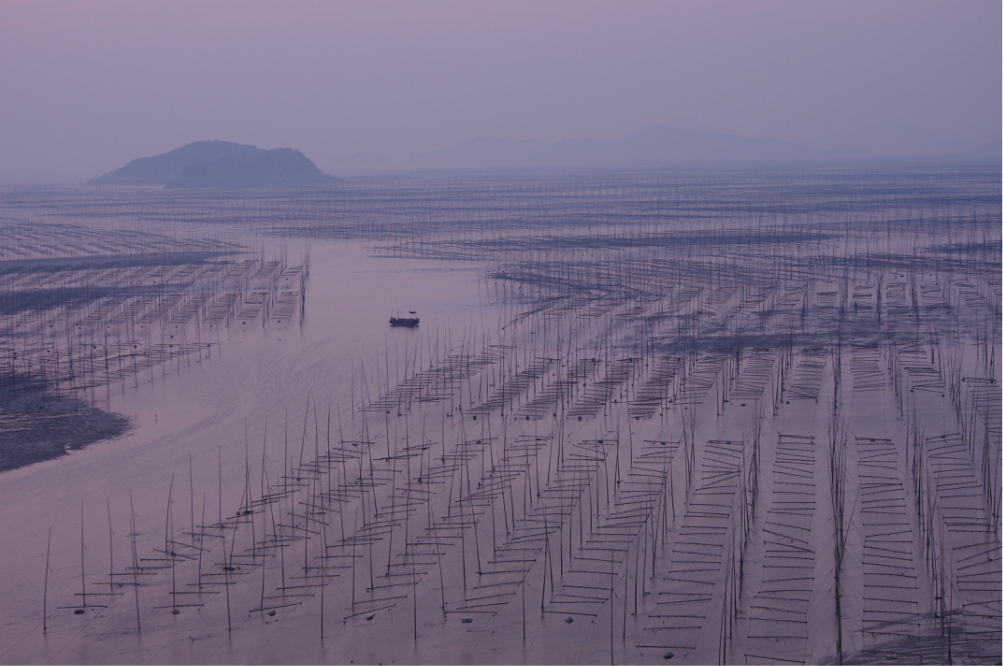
{"x": 657, "y": 144}
{"x": 209, "y": 164}
{"x": 991, "y": 150}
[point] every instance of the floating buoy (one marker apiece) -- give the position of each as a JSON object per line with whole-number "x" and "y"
{"x": 79, "y": 611}
{"x": 370, "y": 616}
{"x": 466, "y": 619}
{"x": 175, "y": 611}
{"x": 668, "y": 655}
{"x": 271, "y": 613}
{"x": 569, "y": 619}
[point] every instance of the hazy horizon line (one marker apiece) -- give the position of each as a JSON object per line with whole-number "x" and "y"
{"x": 364, "y": 162}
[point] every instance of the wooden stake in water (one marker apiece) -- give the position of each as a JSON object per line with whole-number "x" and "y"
{"x": 83, "y": 584}
{"x": 219, "y": 458}
{"x": 201, "y": 541}
{"x": 191, "y": 493}
{"x": 168, "y": 537}
{"x": 355, "y": 527}
{"x": 524, "y": 612}
{"x": 111, "y": 552}
{"x": 135, "y": 559}
{"x": 611, "y": 599}
{"x": 45, "y": 585}
{"x": 174, "y": 578}
{"x": 414, "y": 602}
{"x": 626, "y": 574}
{"x": 226, "y": 583}
{"x": 323, "y": 583}
{"x": 546, "y": 557}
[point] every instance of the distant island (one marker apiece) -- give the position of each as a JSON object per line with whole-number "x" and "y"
{"x": 219, "y": 164}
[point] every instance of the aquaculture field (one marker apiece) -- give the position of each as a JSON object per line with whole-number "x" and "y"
{"x": 720, "y": 416}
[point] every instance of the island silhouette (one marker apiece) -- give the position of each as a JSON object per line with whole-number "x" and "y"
{"x": 219, "y": 164}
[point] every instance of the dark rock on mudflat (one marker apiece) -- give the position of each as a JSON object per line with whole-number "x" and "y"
{"x": 37, "y": 424}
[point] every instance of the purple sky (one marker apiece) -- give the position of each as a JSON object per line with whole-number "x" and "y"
{"x": 84, "y": 87}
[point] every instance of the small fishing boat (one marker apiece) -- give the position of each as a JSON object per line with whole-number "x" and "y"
{"x": 409, "y": 322}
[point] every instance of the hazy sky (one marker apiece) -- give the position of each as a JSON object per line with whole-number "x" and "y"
{"x": 86, "y": 86}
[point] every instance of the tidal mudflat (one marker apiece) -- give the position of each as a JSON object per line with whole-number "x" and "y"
{"x": 705, "y": 417}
